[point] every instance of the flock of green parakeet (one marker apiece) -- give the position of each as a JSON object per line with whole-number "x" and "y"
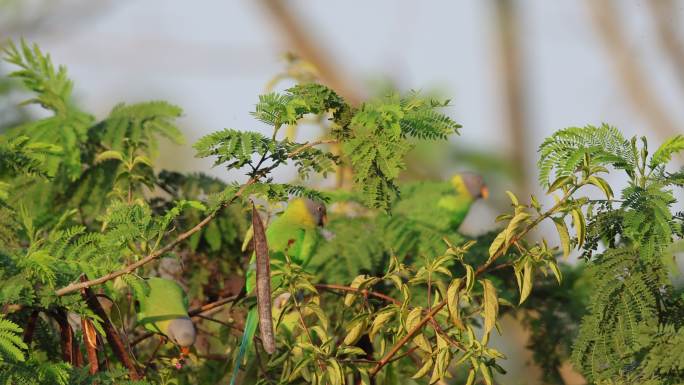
{"x": 296, "y": 233}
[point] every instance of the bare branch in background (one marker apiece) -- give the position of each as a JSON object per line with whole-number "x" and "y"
{"x": 304, "y": 46}
{"x": 632, "y": 75}
{"x": 513, "y": 88}
{"x": 664, "y": 13}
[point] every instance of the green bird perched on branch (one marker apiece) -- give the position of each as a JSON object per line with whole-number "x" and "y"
{"x": 164, "y": 310}
{"x": 423, "y": 215}
{"x": 449, "y": 201}
{"x": 294, "y": 232}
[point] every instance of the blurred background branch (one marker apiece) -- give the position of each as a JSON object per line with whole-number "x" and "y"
{"x": 667, "y": 24}
{"x": 632, "y": 76}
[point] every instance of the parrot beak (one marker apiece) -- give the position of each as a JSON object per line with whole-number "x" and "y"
{"x": 324, "y": 220}
{"x": 484, "y": 192}
{"x": 185, "y": 350}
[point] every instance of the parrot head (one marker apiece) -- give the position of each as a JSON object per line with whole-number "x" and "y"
{"x": 306, "y": 212}
{"x": 470, "y": 184}
{"x": 181, "y": 331}
{"x": 317, "y": 211}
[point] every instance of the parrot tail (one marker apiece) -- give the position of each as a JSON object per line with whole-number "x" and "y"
{"x": 247, "y": 337}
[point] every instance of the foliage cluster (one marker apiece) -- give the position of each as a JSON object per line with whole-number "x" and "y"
{"x": 388, "y": 299}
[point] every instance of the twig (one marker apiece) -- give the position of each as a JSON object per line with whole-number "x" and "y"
{"x": 218, "y": 321}
{"x": 311, "y": 144}
{"x": 210, "y": 306}
{"x": 154, "y": 353}
{"x": 360, "y": 291}
{"x": 306, "y": 329}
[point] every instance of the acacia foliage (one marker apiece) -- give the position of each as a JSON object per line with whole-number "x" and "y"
{"x": 411, "y": 303}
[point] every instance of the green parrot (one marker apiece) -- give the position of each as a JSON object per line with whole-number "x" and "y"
{"x": 423, "y": 215}
{"x": 164, "y": 310}
{"x": 449, "y": 209}
{"x": 295, "y": 231}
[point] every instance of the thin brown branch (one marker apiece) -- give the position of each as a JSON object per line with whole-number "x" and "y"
{"x": 321, "y": 365}
{"x": 211, "y": 306}
{"x": 311, "y": 144}
{"x": 632, "y": 75}
{"x": 363, "y": 292}
{"x": 154, "y": 353}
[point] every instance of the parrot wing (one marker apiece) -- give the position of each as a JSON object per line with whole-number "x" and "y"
{"x": 165, "y": 302}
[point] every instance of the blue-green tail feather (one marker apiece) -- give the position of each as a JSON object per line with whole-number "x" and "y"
{"x": 246, "y": 343}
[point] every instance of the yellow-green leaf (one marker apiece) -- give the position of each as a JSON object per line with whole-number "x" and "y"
{"x": 108, "y": 155}
{"x": 471, "y": 377}
{"x": 335, "y": 372}
{"x": 564, "y": 235}
{"x": 602, "y": 184}
{"x": 527, "y": 282}
{"x": 354, "y": 331}
{"x": 470, "y": 277}
{"x": 513, "y": 198}
{"x": 452, "y": 303}
{"x": 486, "y": 374}
{"x": 513, "y": 225}
{"x": 423, "y": 369}
{"x": 413, "y": 317}
{"x": 558, "y": 183}
{"x": 491, "y": 305}
{"x": 580, "y": 226}
{"x": 422, "y": 342}
{"x": 381, "y": 319}
{"x": 556, "y": 271}
{"x": 497, "y": 243}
